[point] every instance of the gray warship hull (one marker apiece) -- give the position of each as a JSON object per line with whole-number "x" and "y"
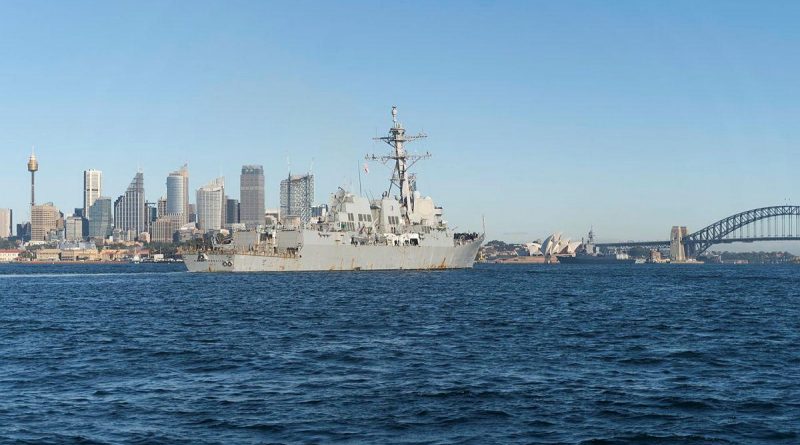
{"x": 339, "y": 258}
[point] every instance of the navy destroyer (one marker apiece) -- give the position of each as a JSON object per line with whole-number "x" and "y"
{"x": 402, "y": 231}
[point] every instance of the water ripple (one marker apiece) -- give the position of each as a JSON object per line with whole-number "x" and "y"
{"x": 146, "y": 354}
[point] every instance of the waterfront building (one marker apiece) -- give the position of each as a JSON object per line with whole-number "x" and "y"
{"x": 9, "y": 255}
{"x": 211, "y": 205}
{"x": 297, "y": 196}
{"x": 231, "y": 211}
{"x": 178, "y": 193}
{"x": 92, "y": 188}
{"x": 73, "y": 228}
{"x": 100, "y": 218}
{"x": 251, "y": 196}
{"x": 129, "y": 210}
{"x": 79, "y": 254}
{"x": 555, "y": 245}
{"x": 6, "y": 223}
{"x": 48, "y": 255}
{"x": 44, "y": 220}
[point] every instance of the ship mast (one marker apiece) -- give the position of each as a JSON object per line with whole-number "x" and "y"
{"x": 402, "y": 161}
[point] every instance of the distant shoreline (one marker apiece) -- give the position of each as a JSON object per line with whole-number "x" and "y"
{"x": 76, "y": 263}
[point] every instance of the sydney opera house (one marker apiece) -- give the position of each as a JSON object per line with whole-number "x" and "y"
{"x": 554, "y": 246}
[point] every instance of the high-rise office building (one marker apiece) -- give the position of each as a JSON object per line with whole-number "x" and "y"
{"x": 231, "y": 211}
{"x": 129, "y": 209}
{"x": 178, "y": 193}
{"x": 297, "y": 196}
{"x": 92, "y": 188}
{"x": 73, "y": 228}
{"x": 44, "y": 219}
{"x": 211, "y": 205}
{"x": 6, "y": 223}
{"x": 251, "y": 199}
{"x": 24, "y": 231}
{"x": 151, "y": 214}
{"x": 100, "y": 218}
{"x": 161, "y": 207}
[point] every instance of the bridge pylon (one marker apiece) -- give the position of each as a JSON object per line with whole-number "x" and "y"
{"x": 677, "y": 249}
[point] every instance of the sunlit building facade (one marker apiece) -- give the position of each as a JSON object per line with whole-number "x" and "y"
{"x": 211, "y": 205}
{"x": 251, "y": 199}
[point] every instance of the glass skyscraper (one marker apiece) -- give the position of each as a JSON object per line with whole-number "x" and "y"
{"x": 100, "y": 218}
{"x": 178, "y": 194}
{"x": 297, "y": 196}
{"x": 92, "y": 188}
{"x": 251, "y": 203}
{"x": 211, "y": 205}
{"x": 129, "y": 209}
{"x": 231, "y": 211}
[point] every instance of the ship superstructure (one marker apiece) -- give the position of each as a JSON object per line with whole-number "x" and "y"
{"x": 403, "y": 231}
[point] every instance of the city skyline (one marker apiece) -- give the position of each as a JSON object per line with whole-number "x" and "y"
{"x": 620, "y": 117}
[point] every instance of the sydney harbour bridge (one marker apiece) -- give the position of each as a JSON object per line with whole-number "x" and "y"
{"x": 776, "y": 223}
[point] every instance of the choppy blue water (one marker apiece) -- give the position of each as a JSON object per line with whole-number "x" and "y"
{"x": 498, "y": 354}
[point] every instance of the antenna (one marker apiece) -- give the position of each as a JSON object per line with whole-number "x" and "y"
{"x": 360, "y": 193}
{"x": 403, "y": 161}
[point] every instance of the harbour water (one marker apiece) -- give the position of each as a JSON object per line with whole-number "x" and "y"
{"x": 498, "y": 354}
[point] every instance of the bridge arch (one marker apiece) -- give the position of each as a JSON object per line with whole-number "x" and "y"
{"x": 782, "y": 223}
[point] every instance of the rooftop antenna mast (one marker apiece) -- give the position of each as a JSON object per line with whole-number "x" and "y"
{"x": 360, "y": 192}
{"x": 403, "y": 160}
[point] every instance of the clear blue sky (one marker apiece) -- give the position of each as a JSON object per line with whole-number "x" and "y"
{"x": 544, "y": 116}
